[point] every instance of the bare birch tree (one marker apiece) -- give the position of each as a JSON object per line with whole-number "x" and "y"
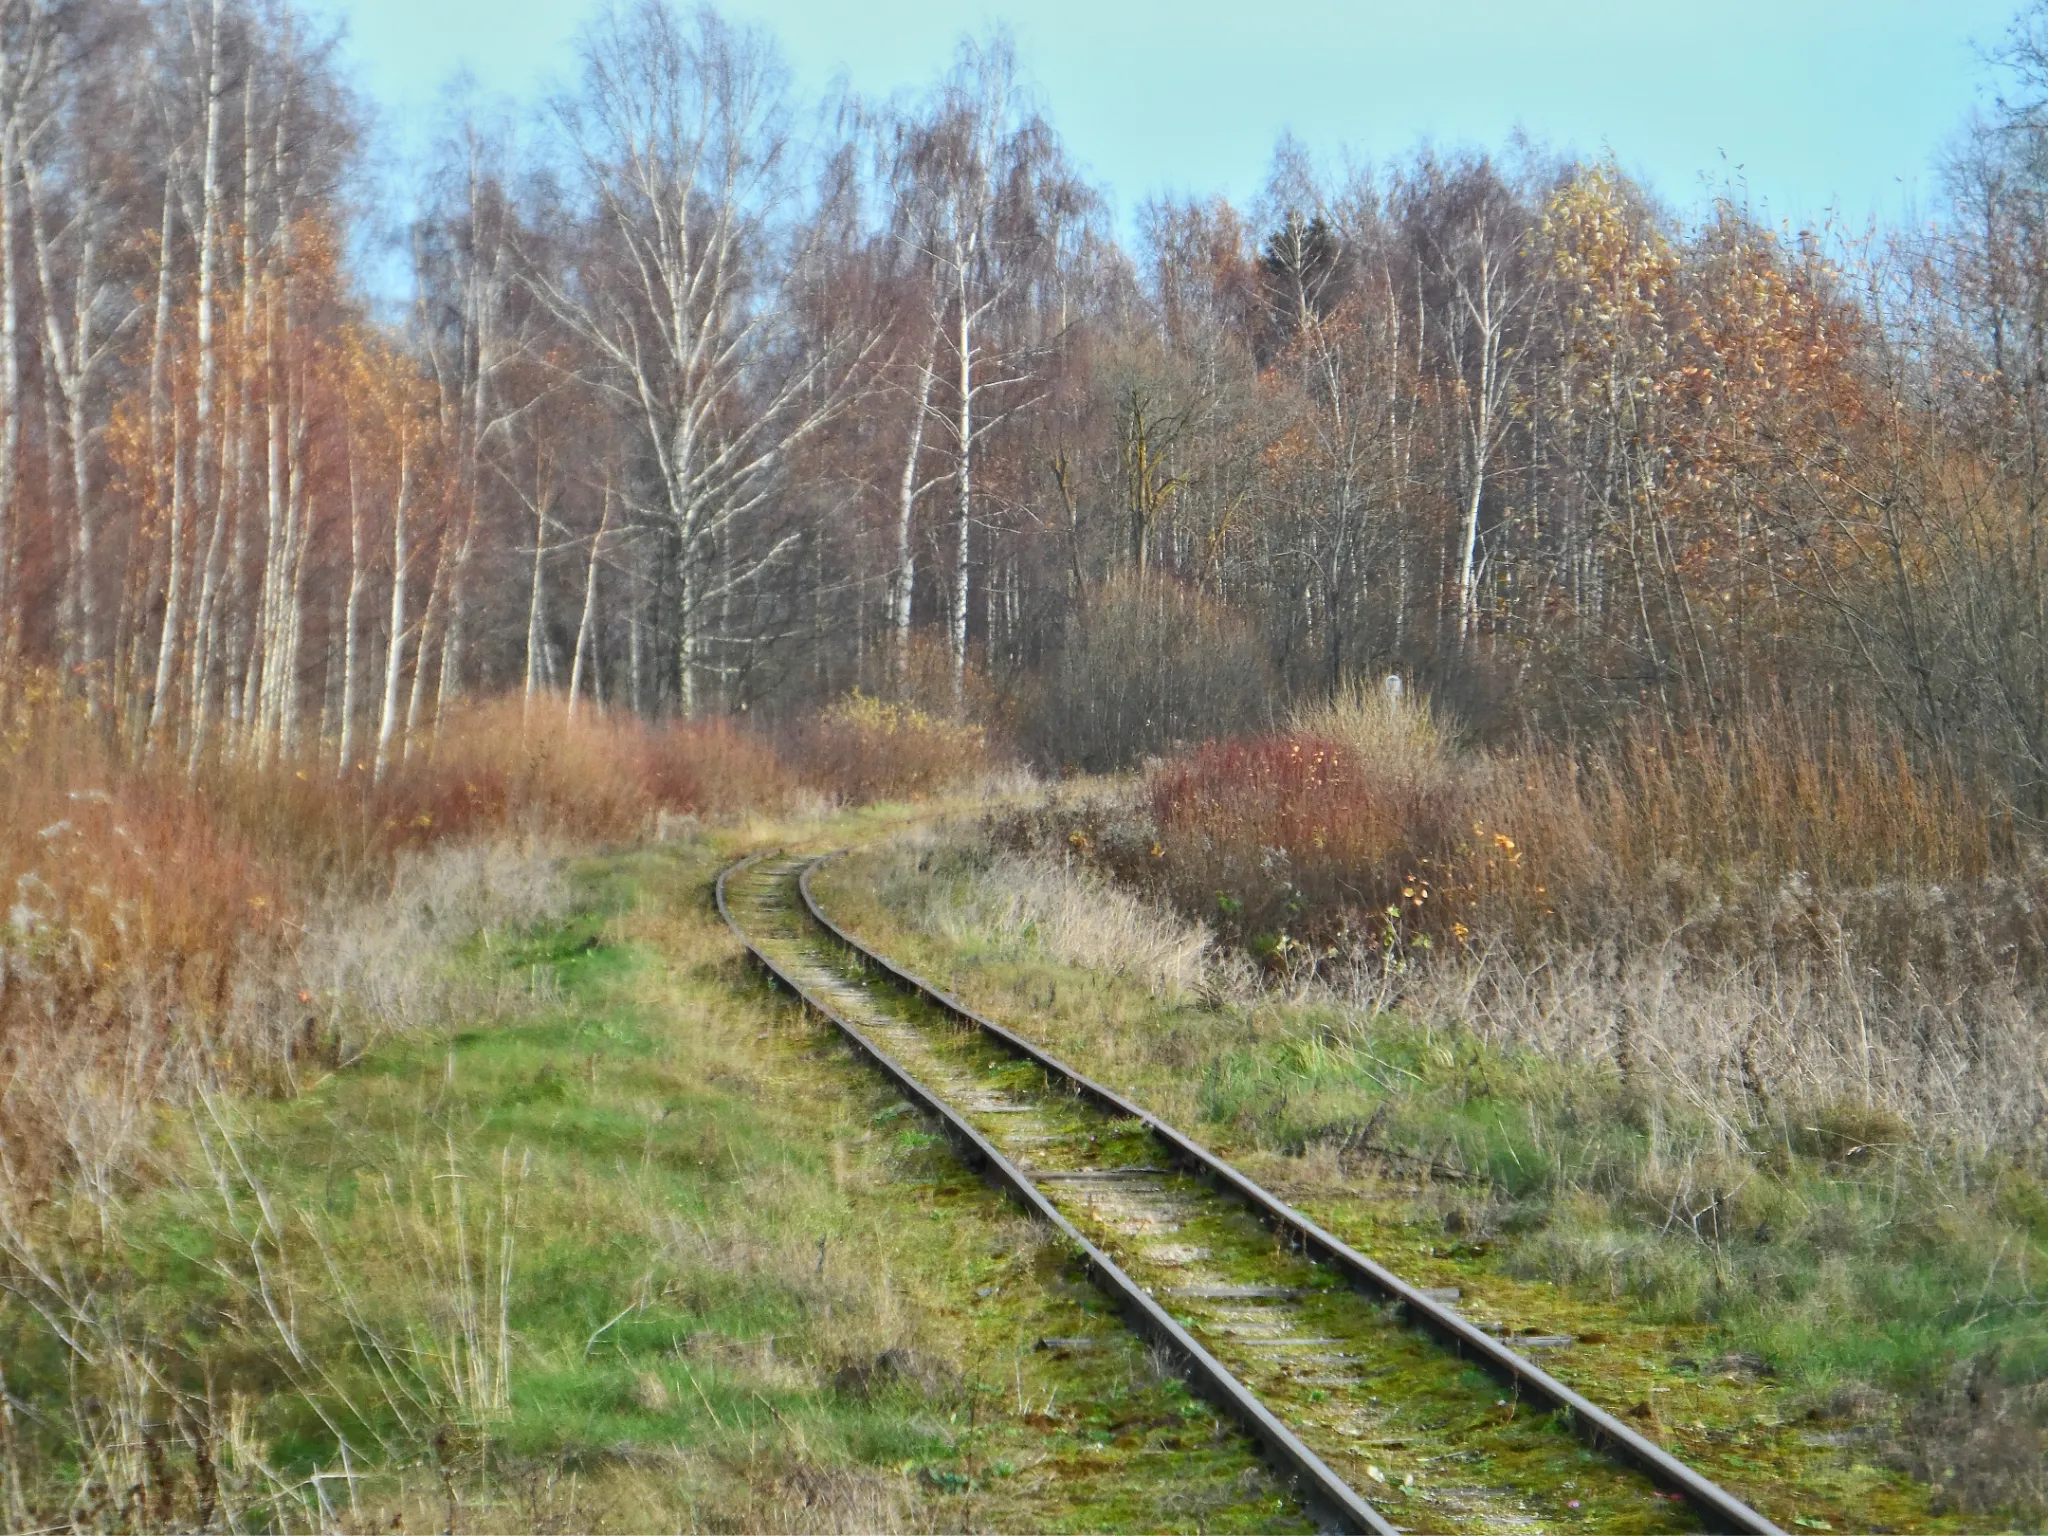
{"x": 984, "y": 199}
{"x": 1472, "y": 250}
{"x": 698, "y": 238}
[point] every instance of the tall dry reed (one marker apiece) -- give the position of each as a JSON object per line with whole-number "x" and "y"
{"x": 1067, "y": 911}
{"x": 1362, "y": 828}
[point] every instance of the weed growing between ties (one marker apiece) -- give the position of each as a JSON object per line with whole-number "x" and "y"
{"x": 634, "y": 1246}
{"x": 1708, "y": 1250}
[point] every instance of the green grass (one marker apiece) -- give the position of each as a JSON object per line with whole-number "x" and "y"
{"x": 647, "y": 1250}
{"x": 1865, "y": 1274}
{"x": 749, "y": 1288}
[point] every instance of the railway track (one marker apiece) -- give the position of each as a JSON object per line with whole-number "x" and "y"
{"x": 1388, "y": 1409}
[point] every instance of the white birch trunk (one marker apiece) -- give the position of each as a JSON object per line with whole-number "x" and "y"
{"x": 966, "y": 489}
{"x": 435, "y": 597}
{"x": 205, "y": 495}
{"x": 350, "y": 612}
{"x": 903, "y": 579}
{"x": 394, "y": 651}
{"x": 10, "y": 372}
{"x": 588, "y": 621}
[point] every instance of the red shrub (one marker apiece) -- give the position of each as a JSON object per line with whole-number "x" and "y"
{"x": 124, "y": 894}
{"x": 713, "y": 768}
{"x": 1774, "y": 834}
{"x": 1292, "y": 837}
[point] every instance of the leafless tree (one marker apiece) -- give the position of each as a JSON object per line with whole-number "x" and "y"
{"x": 698, "y": 235}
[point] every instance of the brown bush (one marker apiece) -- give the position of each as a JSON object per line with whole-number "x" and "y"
{"x": 1775, "y": 837}
{"x": 862, "y": 749}
{"x": 106, "y": 868}
{"x": 142, "y": 902}
{"x": 510, "y": 764}
{"x": 1296, "y": 840}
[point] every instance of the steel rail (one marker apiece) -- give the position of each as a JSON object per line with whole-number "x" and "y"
{"x": 1721, "y": 1509}
{"x": 1323, "y": 1489}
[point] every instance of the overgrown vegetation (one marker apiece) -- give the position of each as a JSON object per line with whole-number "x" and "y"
{"x": 240, "y": 924}
{"x": 1364, "y": 827}
{"x": 868, "y": 749}
{"x": 1868, "y": 1269}
{"x": 616, "y": 1243}
{"x": 1777, "y": 916}
{"x": 1771, "y": 988}
{"x": 1698, "y": 962}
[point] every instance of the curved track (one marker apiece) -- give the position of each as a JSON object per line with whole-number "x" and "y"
{"x": 1261, "y": 1306}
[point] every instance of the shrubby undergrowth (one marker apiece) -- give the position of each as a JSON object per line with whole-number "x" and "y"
{"x": 1740, "y": 1023}
{"x": 185, "y": 942}
{"x": 862, "y": 749}
{"x": 1775, "y": 915}
{"x": 237, "y": 922}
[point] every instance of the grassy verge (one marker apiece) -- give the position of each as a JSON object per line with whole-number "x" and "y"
{"x": 1810, "y": 1320}
{"x": 641, "y": 1249}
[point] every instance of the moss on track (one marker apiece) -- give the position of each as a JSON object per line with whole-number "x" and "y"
{"x": 1261, "y": 1085}
{"x": 643, "y": 1248}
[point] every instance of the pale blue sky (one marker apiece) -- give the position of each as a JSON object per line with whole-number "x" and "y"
{"x": 1819, "y": 103}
